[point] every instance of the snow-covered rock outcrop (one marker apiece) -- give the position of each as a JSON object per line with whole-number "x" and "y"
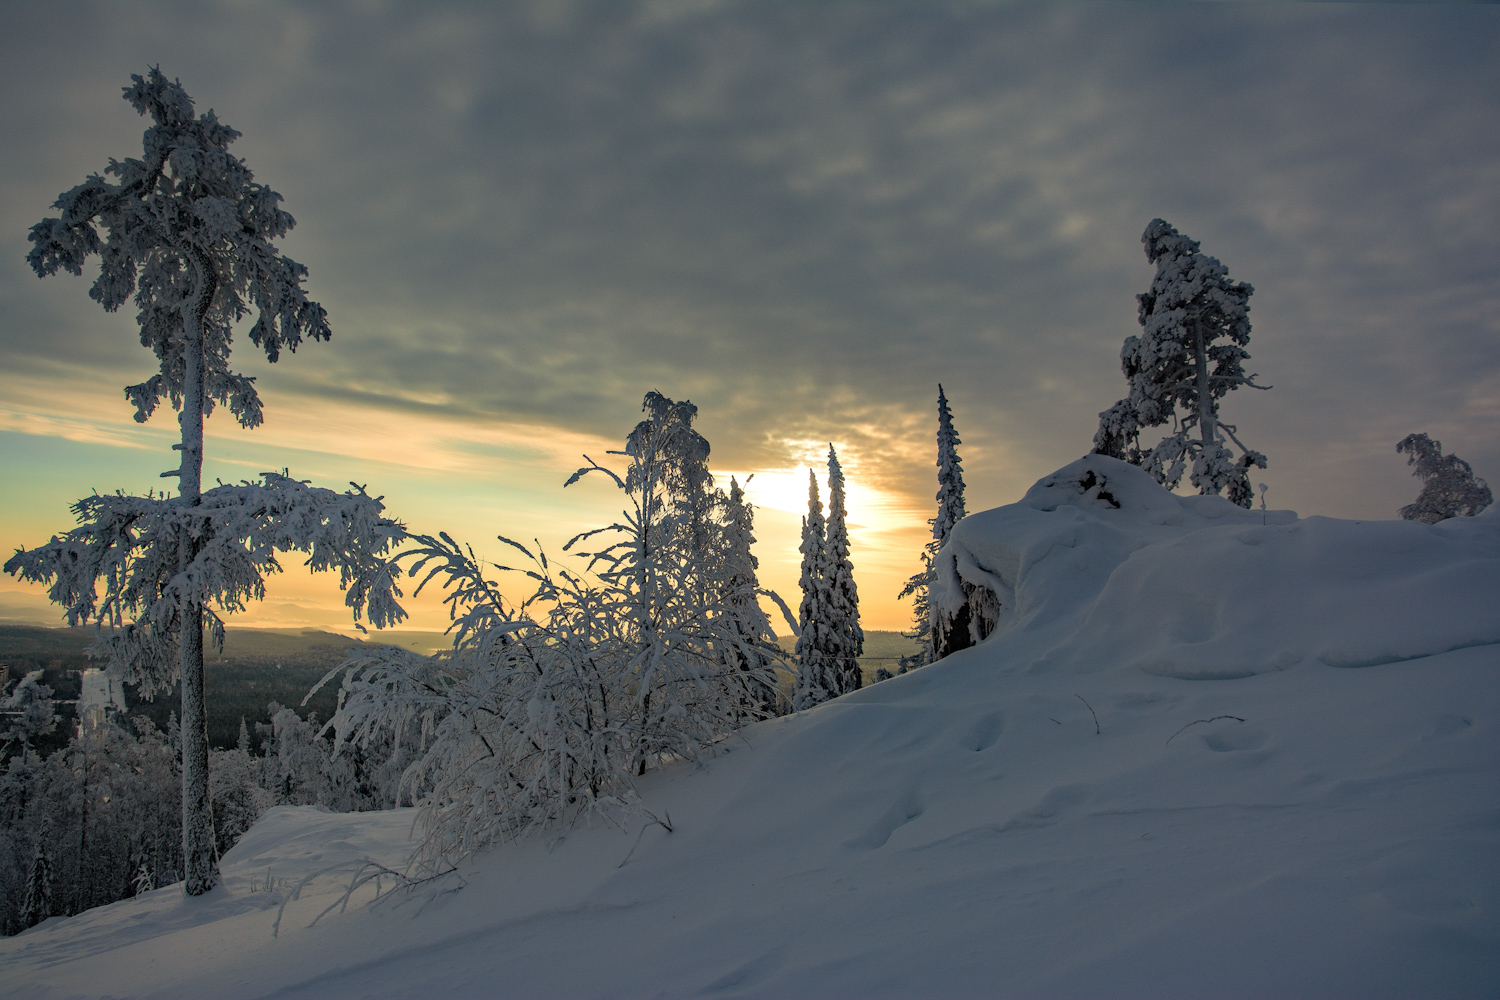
{"x": 1122, "y": 573}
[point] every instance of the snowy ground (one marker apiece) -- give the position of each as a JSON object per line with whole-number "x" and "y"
{"x": 970, "y": 830}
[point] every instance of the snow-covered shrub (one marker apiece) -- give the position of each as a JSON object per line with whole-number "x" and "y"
{"x": 30, "y": 712}
{"x": 235, "y": 793}
{"x": 544, "y": 712}
{"x": 1449, "y": 486}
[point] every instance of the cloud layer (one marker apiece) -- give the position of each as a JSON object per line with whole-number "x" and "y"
{"x": 805, "y": 216}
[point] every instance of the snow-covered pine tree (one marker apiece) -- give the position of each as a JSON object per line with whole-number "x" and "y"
{"x": 1449, "y": 486}
{"x": 950, "y": 500}
{"x": 1191, "y": 353}
{"x": 187, "y": 231}
{"x": 816, "y": 679}
{"x": 741, "y": 595}
{"x": 843, "y": 596}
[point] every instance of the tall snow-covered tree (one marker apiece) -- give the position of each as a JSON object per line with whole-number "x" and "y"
{"x": 1190, "y": 355}
{"x": 817, "y": 680}
{"x": 950, "y": 494}
{"x": 843, "y": 595}
{"x": 187, "y": 231}
{"x": 741, "y": 593}
{"x": 1449, "y": 486}
{"x": 950, "y": 500}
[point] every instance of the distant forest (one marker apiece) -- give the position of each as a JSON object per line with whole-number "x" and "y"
{"x": 257, "y": 667}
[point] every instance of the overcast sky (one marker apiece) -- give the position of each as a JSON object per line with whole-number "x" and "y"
{"x": 801, "y": 216}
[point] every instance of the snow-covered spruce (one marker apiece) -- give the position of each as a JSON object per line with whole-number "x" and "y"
{"x": 187, "y": 231}
{"x": 843, "y": 596}
{"x": 1449, "y": 486}
{"x": 950, "y": 500}
{"x": 545, "y": 712}
{"x": 1191, "y": 353}
{"x": 816, "y": 680}
{"x": 740, "y": 589}
{"x": 829, "y": 638}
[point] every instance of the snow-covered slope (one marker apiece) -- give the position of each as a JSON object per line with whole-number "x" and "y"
{"x": 1201, "y": 755}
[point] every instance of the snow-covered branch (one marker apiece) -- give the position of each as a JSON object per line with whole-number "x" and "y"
{"x": 154, "y": 556}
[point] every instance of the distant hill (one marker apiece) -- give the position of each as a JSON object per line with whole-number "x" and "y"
{"x": 256, "y": 667}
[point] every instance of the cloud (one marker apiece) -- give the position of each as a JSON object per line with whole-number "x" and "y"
{"x": 805, "y": 216}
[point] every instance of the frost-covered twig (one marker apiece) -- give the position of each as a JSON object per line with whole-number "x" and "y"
{"x": 1195, "y": 722}
{"x": 664, "y": 824}
{"x": 362, "y": 871}
{"x": 1081, "y": 698}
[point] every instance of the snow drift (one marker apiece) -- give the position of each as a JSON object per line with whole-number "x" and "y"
{"x": 1154, "y": 776}
{"x": 1197, "y": 587}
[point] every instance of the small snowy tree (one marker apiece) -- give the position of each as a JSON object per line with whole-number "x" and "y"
{"x": 1449, "y": 487}
{"x": 950, "y": 499}
{"x": 31, "y": 712}
{"x": 187, "y": 231}
{"x": 843, "y": 596}
{"x": 38, "y": 904}
{"x": 816, "y": 679}
{"x": 1191, "y": 353}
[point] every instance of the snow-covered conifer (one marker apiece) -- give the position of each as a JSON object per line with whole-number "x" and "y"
{"x": 187, "y": 231}
{"x": 31, "y": 711}
{"x": 950, "y": 500}
{"x": 38, "y": 905}
{"x": 848, "y": 639}
{"x": 1449, "y": 486}
{"x": 816, "y": 679}
{"x": 1191, "y": 353}
{"x": 950, "y": 494}
{"x": 741, "y": 593}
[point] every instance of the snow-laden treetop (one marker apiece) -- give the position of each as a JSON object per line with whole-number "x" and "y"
{"x": 185, "y": 224}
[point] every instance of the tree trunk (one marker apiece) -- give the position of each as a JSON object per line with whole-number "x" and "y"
{"x": 200, "y": 867}
{"x": 1207, "y": 419}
